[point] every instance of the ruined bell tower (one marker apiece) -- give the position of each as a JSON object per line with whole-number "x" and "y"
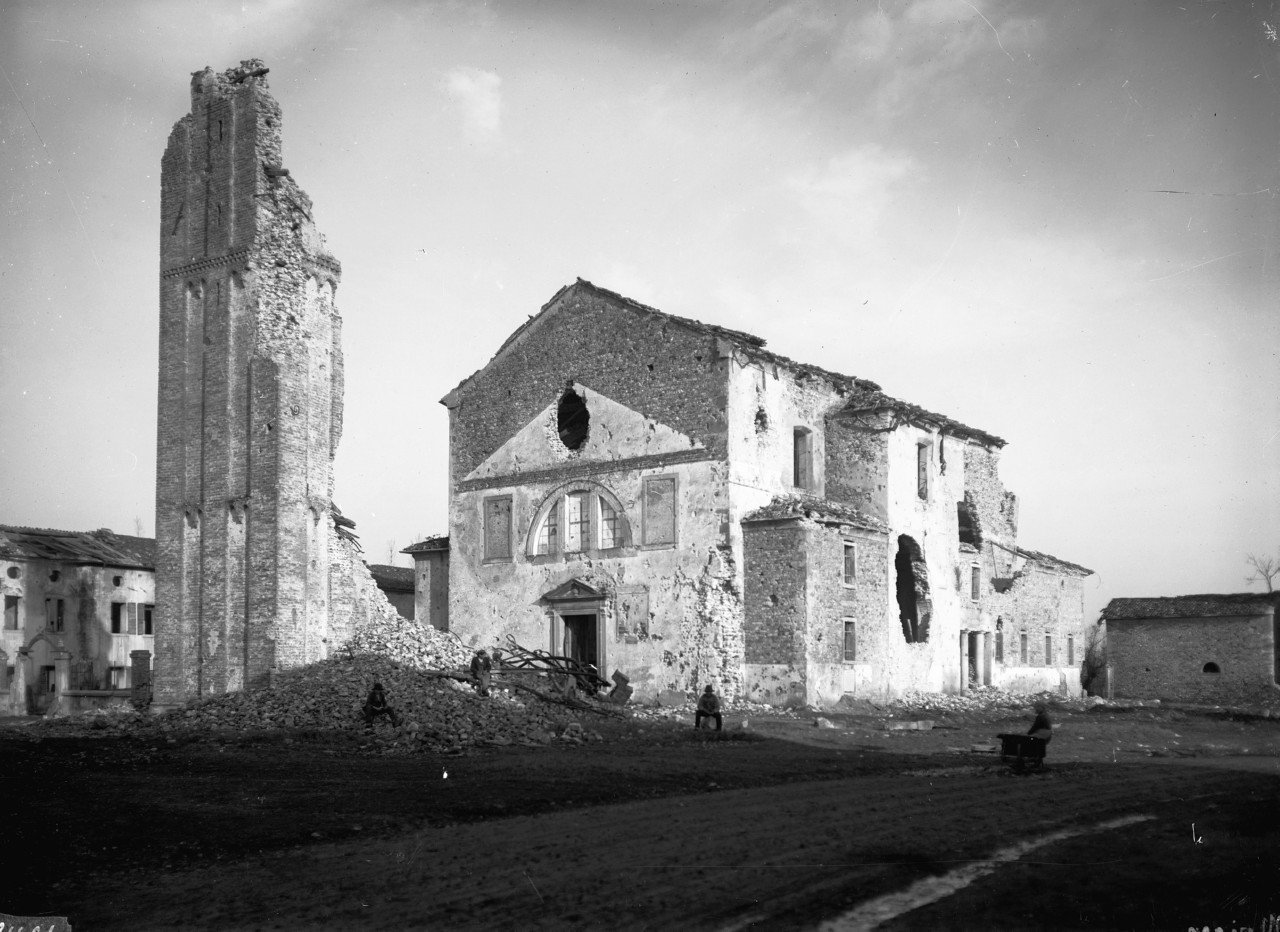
{"x": 251, "y": 574}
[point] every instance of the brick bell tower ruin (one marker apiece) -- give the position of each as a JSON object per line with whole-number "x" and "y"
{"x": 254, "y": 571}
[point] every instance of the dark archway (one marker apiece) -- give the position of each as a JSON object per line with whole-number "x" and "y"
{"x": 914, "y": 606}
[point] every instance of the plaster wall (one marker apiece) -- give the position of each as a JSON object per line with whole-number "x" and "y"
{"x": 692, "y": 633}
{"x": 87, "y": 593}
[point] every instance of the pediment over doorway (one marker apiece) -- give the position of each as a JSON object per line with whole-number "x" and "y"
{"x": 575, "y": 590}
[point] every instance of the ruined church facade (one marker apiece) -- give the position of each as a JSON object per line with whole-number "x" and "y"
{"x": 671, "y": 499}
{"x": 254, "y": 568}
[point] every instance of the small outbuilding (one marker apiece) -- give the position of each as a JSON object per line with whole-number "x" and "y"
{"x": 1219, "y": 649}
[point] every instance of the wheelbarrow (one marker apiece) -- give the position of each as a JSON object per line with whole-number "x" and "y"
{"x": 1023, "y": 751}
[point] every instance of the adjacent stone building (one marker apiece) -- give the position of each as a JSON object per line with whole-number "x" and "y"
{"x": 1213, "y": 649}
{"x": 77, "y": 606}
{"x": 431, "y": 580}
{"x": 671, "y": 499}
{"x": 256, "y": 569}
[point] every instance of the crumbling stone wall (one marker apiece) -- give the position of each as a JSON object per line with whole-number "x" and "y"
{"x": 995, "y": 508}
{"x": 1039, "y": 601}
{"x": 250, "y": 576}
{"x": 1165, "y": 658}
{"x": 670, "y": 373}
{"x": 857, "y": 466}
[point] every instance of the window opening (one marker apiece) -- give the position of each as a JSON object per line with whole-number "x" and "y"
{"x": 53, "y": 614}
{"x": 922, "y": 471}
{"x": 1071, "y": 650}
{"x": 609, "y": 536}
{"x": 1211, "y": 667}
{"x": 914, "y": 606}
{"x": 119, "y": 677}
{"x": 1022, "y": 648}
{"x": 1048, "y": 650}
{"x": 802, "y": 458}
{"x": 577, "y": 522}
{"x": 572, "y": 419}
{"x": 117, "y": 618}
{"x": 13, "y": 572}
{"x": 967, "y": 521}
{"x": 49, "y": 679}
{"x": 975, "y": 582}
{"x": 659, "y": 516}
{"x": 850, "y": 564}
{"x": 11, "y": 613}
{"x": 850, "y": 641}
{"x": 549, "y": 534}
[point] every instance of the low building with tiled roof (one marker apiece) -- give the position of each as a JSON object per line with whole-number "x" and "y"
{"x": 1221, "y": 649}
{"x": 77, "y": 605}
{"x": 396, "y": 583}
{"x": 782, "y": 531}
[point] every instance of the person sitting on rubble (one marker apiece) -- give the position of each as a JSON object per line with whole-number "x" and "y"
{"x": 1041, "y": 727}
{"x": 376, "y": 704}
{"x": 481, "y": 666}
{"x": 708, "y": 707}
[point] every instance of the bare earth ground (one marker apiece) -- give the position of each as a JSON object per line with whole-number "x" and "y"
{"x": 659, "y": 827}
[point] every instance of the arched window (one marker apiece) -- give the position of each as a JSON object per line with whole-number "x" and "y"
{"x": 581, "y": 517}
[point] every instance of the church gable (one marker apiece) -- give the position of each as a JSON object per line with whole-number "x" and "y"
{"x": 582, "y": 426}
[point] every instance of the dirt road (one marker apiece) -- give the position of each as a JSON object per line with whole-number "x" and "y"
{"x": 655, "y": 828}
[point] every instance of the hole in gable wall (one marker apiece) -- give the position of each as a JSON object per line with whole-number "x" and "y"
{"x": 573, "y": 421}
{"x": 1211, "y": 667}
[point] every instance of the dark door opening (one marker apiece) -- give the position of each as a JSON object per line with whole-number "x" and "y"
{"x": 580, "y": 638}
{"x": 974, "y": 672}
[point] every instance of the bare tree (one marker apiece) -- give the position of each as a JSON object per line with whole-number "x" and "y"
{"x": 1265, "y": 569}
{"x": 391, "y": 551}
{"x": 1094, "y": 666}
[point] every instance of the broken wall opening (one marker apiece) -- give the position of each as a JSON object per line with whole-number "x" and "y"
{"x": 914, "y": 605}
{"x": 572, "y": 419}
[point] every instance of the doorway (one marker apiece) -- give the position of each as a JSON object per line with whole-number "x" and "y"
{"x": 581, "y": 642}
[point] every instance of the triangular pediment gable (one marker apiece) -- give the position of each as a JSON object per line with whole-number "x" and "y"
{"x": 614, "y": 432}
{"x": 575, "y": 590}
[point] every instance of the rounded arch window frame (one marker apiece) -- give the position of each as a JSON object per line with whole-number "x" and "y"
{"x": 552, "y": 500}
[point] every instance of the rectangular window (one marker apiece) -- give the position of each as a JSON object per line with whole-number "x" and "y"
{"x": 1022, "y": 648}
{"x": 922, "y": 471}
{"x": 148, "y": 613}
{"x": 48, "y": 679}
{"x": 119, "y": 677}
{"x": 1048, "y": 650}
{"x": 802, "y": 458}
{"x": 850, "y": 641}
{"x": 497, "y": 528}
{"x": 1071, "y": 651}
{"x": 117, "y": 618}
{"x": 11, "y": 613}
{"x": 850, "y": 564}
{"x": 999, "y": 647}
{"x": 659, "y": 518}
{"x": 53, "y": 614}
{"x": 577, "y": 522}
{"x": 975, "y": 582}
{"x": 609, "y": 536}
{"x": 549, "y": 533}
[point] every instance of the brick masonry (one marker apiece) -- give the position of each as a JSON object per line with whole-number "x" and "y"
{"x": 1165, "y": 658}
{"x": 250, "y": 574}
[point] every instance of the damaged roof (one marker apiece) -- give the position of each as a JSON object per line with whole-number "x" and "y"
{"x": 102, "y": 547}
{"x": 822, "y": 510}
{"x": 1193, "y": 606}
{"x": 869, "y": 399}
{"x": 1053, "y": 562}
{"x": 748, "y": 342}
{"x": 394, "y": 578}
{"x": 439, "y": 542}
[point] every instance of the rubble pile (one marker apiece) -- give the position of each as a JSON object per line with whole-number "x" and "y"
{"x": 433, "y": 712}
{"x": 981, "y": 699}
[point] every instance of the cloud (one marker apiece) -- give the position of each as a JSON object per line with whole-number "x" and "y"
{"x": 846, "y": 198}
{"x": 478, "y": 96}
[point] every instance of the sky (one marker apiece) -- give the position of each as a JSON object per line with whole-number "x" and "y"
{"x": 1055, "y": 221}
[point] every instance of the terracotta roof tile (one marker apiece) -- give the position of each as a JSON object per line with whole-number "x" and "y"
{"x": 102, "y": 547}
{"x": 817, "y": 509}
{"x": 439, "y": 542}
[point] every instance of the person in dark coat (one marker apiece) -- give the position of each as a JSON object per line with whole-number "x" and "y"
{"x": 376, "y": 705}
{"x": 1041, "y": 727}
{"x": 481, "y": 666}
{"x": 708, "y": 707}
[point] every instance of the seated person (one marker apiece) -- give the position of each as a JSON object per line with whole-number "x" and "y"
{"x": 1041, "y": 727}
{"x": 708, "y": 707}
{"x": 481, "y": 667}
{"x": 376, "y": 704}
